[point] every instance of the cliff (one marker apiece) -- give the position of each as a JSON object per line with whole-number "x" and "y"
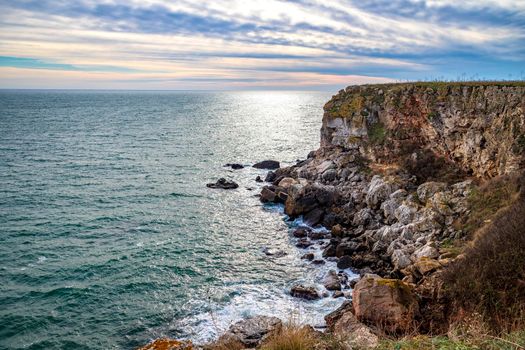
{"x": 476, "y": 129}
{"x": 405, "y": 174}
{"x": 401, "y": 181}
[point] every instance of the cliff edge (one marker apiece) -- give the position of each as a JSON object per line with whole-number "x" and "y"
{"x": 475, "y": 129}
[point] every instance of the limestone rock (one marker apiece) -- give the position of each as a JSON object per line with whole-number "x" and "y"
{"x": 379, "y": 191}
{"x": 426, "y": 265}
{"x": 343, "y": 324}
{"x": 427, "y": 251}
{"x": 429, "y": 189}
{"x": 252, "y": 331}
{"x": 388, "y": 303}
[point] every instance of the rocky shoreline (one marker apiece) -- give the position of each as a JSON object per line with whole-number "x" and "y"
{"x": 385, "y": 195}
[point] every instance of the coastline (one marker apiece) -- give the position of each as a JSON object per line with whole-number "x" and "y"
{"x": 388, "y": 195}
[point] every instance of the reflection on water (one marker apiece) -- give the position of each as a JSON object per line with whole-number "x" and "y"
{"x": 109, "y": 236}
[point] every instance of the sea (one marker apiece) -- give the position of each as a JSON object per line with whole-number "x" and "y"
{"x": 109, "y": 237}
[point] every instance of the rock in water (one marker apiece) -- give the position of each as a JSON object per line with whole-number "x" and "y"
{"x": 304, "y": 292}
{"x": 387, "y": 303}
{"x": 224, "y": 184}
{"x": 234, "y": 166}
{"x": 267, "y": 164}
{"x": 331, "y": 281}
{"x": 252, "y": 331}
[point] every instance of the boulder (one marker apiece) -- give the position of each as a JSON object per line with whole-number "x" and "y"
{"x": 315, "y": 235}
{"x": 314, "y": 216}
{"x": 234, "y": 166}
{"x": 347, "y": 248}
{"x": 270, "y": 177}
{"x": 274, "y": 252}
{"x": 379, "y": 191}
{"x": 304, "y": 292}
{"x": 286, "y": 182}
{"x": 344, "y": 262}
{"x": 386, "y": 303}
{"x": 258, "y": 179}
{"x": 324, "y": 166}
{"x": 338, "y": 294}
{"x": 300, "y": 232}
{"x": 346, "y": 328}
{"x": 400, "y": 259}
{"x": 168, "y": 344}
{"x": 331, "y": 281}
{"x": 308, "y": 256}
{"x": 267, "y": 195}
{"x": 252, "y": 331}
{"x": 267, "y": 164}
{"x": 428, "y": 251}
{"x": 303, "y": 243}
{"x": 223, "y": 184}
{"x": 426, "y": 265}
{"x": 329, "y": 175}
{"x": 299, "y": 205}
{"x": 429, "y": 189}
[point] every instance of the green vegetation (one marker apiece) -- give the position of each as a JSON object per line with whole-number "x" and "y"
{"x": 377, "y": 133}
{"x": 486, "y": 200}
{"x": 513, "y": 341}
{"x": 442, "y": 84}
{"x": 490, "y": 279}
{"x": 433, "y": 115}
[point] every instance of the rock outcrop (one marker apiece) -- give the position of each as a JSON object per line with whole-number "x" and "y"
{"x": 252, "y": 331}
{"x": 387, "y": 303}
{"x": 476, "y": 129}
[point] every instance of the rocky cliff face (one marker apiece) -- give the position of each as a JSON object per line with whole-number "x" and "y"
{"x": 472, "y": 128}
{"x": 394, "y": 175}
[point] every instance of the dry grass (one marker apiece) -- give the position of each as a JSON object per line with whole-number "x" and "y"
{"x": 490, "y": 278}
{"x": 512, "y": 341}
{"x": 486, "y": 200}
{"x": 225, "y": 345}
{"x": 293, "y": 337}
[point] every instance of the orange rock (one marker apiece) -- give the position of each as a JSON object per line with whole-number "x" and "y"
{"x": 168, "y": 344}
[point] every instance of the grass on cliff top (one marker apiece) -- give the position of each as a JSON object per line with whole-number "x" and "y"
{"x": 512, "y": 341}
{"x": 441, "y": 84}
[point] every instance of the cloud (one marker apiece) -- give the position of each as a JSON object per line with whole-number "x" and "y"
{"x": 241, "y": 44}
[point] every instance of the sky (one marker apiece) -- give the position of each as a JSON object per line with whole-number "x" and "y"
{"x": 250, "y": 44}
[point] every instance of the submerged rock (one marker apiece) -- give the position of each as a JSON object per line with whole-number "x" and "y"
{"x": 252, "y": 331}
{"x": 267, "y": 164}
{"x": 223, "y": 184}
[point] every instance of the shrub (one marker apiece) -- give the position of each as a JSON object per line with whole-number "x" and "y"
{"x": 377, "y": 133}
{"x": 490, "y": 278}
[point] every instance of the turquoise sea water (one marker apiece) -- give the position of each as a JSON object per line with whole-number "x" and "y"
{"x": 108, "y": 235}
